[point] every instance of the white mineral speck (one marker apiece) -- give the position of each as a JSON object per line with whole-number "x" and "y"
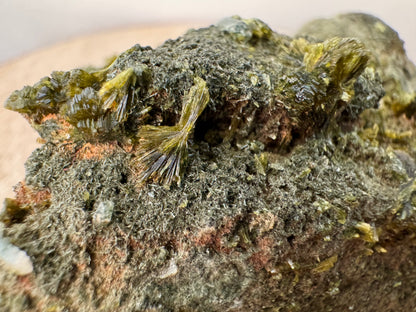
{"x": 291, "y": 264}
{"x": 171, "y": 270}
{"x": 14, "y": 259}
{"x": 103, "y": 213}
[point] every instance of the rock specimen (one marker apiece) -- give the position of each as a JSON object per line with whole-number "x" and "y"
{"x": 231, "y": 169}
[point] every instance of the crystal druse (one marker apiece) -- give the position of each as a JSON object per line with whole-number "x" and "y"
{"x": 231, "y": 169}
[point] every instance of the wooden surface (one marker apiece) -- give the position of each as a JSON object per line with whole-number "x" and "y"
{"x": 17, "y": 138}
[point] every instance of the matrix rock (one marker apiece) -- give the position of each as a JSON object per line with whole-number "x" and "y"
{"x": 231, "y": 169}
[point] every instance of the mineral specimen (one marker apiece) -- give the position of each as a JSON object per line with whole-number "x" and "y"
{"x": 388, "y": 56}
{"x": 232, "y": 169}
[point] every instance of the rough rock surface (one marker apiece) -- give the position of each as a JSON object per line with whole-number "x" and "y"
{"x": 295, "y": 191}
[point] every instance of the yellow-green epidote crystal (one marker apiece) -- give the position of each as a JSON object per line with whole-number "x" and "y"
{"x": 388, "y": 56}
{"x": 162, "y": 149}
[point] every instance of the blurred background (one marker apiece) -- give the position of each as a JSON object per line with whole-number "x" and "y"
{"x": 26, "y": 24}
{"x": 40, "y": 36}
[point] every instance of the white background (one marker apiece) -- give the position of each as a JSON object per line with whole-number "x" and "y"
{"x": 26, "y": 25}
